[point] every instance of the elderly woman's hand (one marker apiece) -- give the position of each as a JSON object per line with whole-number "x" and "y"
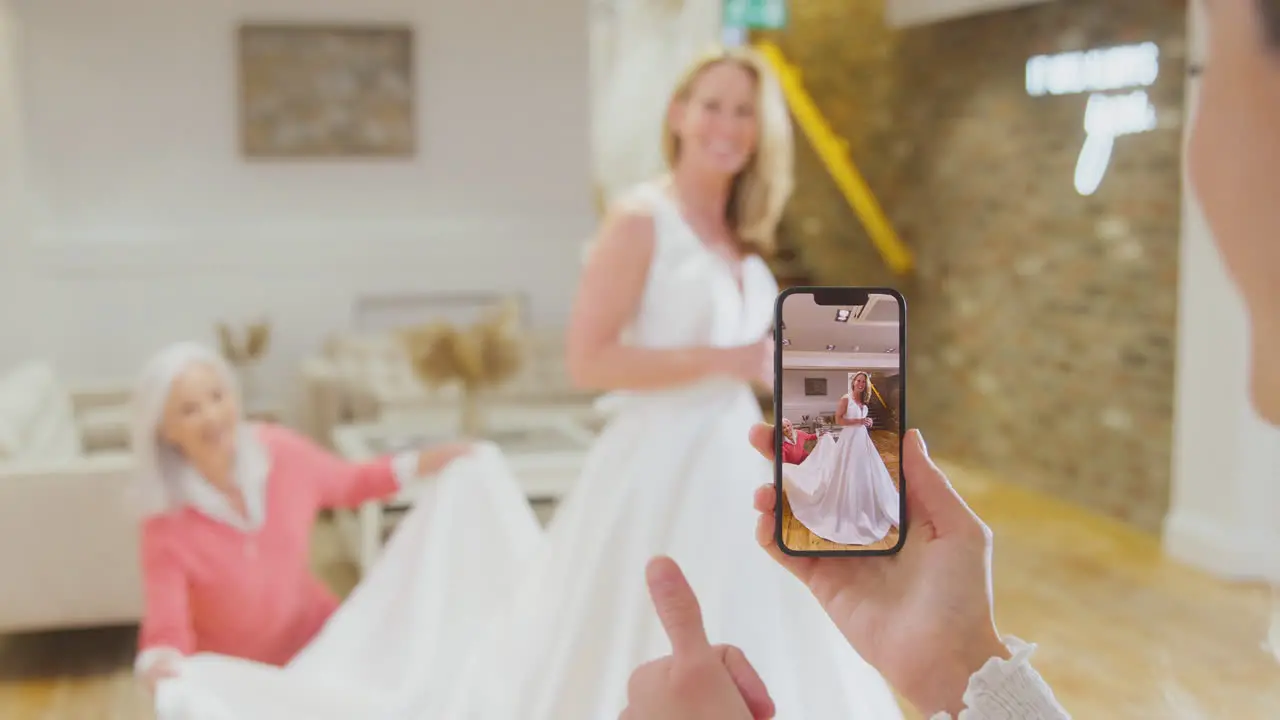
{"x": 162, "y": 669}
{"x": 433, "y": 460}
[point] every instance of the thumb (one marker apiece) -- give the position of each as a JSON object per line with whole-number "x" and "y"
{"x": 677, "y": 607}
{"x": 750, "y": 686}
{"x": 930, "y": 496}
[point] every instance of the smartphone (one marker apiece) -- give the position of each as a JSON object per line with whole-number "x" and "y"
{"x": 840, "y": 400}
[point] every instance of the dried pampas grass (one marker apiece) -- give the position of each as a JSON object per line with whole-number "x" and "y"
{"x": 478, "y": 357}
{"x": 252, "y": 348}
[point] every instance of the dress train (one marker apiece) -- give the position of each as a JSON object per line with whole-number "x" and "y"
{"x": 393, "y": 646}
{"x": 843, "y": 492}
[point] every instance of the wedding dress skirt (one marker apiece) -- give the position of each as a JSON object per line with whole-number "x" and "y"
{"x": 672, "y": 474}
{"x": 843, "y": 492}
{"x": 473, "y": 614}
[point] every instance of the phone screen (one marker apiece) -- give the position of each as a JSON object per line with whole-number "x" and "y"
{"x": 839, "y": 401}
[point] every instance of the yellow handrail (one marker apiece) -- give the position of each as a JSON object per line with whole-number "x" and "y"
{"x": 834, "y": 154}
{"x": 877, "y": 392}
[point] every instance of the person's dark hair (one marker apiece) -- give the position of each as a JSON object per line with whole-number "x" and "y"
{"x": 1269, "y": 12}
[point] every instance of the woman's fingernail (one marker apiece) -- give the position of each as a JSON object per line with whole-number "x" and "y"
{"x": 923, "y": 447}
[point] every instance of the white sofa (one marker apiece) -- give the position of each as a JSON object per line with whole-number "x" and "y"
{"x": 68, "y": 539}
{"x": 367, "y": 377}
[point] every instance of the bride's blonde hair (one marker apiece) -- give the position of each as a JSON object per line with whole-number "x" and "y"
{"x": 761, "y": 189}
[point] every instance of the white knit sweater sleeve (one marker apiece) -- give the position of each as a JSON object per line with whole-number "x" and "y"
{"x": 1009, "y": 690}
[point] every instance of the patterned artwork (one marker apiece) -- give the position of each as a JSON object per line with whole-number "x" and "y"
{"x": 815, "y": 386}
{"x": 309, "y": 91}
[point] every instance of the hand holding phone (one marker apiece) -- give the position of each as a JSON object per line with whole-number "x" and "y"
{"x": 840, "y": 355}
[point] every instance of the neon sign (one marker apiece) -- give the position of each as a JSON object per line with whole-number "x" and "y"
{"x": 1107, "y": 116}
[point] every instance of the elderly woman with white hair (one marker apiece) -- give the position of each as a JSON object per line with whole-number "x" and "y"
{"x": 228, "y": 511}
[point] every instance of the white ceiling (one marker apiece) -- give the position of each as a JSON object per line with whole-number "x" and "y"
{"x": 811, "y": 327}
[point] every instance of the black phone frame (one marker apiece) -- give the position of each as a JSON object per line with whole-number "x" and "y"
{"x": 838, "y": 295}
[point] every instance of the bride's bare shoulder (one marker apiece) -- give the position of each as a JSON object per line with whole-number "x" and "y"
{"x": 632, "y": 215}
{"x": 628, "y": 227}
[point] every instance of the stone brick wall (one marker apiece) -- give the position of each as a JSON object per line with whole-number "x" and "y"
{"x": 889, "y": 388}
{"x": 1041, "y": 323}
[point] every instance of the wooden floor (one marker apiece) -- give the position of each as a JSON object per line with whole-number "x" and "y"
{"x": 798, "y": 537}
{"x": 1123, "y": 632}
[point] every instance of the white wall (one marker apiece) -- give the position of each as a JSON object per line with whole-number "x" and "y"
{"x": 795, "y": 403}
{"x": 1225, "y": 494}
{"x": 13, "y": 230}
{"x": 149, "y": 226}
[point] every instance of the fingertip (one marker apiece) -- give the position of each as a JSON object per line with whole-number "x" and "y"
{"x": 761, "y": 437}
{"x": 764, "y": 531}
{"x": 766, "y": 538}
{"x": 660, "y": 569}
{"x": 911, "y": 444}
{"x": 916, "y": 452}
{"x": 765, "y": 499}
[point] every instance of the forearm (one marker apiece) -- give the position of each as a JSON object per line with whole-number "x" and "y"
{"x": 166, "y": 633}
{"x": 621, "y": 367}
{"x": 349, "y": 485}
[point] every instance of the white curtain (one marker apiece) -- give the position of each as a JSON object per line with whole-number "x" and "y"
{"x": 639, "y": 48}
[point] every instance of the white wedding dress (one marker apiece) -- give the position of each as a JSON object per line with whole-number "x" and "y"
{"x": 842, "y": 491}
{"x": 481, "y": 621}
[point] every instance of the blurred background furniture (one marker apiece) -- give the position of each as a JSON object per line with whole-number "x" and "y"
{"x": 69, "y": 556}
{"x": 363, "y": 374}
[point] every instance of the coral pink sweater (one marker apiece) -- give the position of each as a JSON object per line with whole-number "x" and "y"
{"x": 213, "y": 587}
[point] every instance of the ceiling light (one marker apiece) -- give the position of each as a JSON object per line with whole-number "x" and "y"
{"x": 786, "y": 341}
{"x": 842, "y": 315}
{"x": 831, "y": 347}
{"x": 890, "y": 350}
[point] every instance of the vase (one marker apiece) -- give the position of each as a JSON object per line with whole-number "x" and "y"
{"x": 472, "y": 420}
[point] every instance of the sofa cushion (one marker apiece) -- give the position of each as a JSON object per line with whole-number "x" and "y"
{"x": 37, "y": 417}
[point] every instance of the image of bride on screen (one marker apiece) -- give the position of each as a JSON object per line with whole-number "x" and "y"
{"x": 842, "y": 491}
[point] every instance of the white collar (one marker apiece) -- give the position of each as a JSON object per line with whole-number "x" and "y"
{"x": 791, "y": 440}
{"x": 252, "y": 468}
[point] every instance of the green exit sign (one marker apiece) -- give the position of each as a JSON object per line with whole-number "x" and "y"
{"x": 755, "y": 14}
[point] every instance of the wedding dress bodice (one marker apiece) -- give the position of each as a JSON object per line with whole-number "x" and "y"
{"x": 692, "y": 295}
{"x": 855, "y": 411}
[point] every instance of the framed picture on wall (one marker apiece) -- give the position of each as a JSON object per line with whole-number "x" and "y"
{"x": 815, "y": 386}
{"x": 326, "y": 91}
